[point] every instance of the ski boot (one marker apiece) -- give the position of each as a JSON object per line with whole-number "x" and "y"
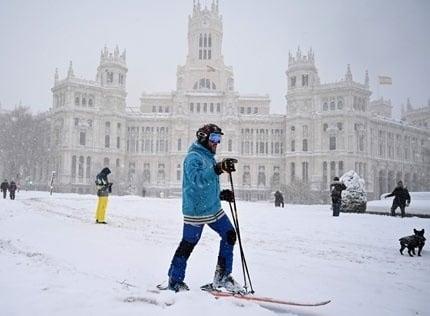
{"x": 227, "y": 282}
{"x": 177, "y": 286}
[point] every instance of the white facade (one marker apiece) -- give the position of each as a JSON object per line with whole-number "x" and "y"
{"x": 329, "y": 128}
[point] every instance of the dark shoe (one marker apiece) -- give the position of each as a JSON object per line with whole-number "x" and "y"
{"x": 178, "y": 286}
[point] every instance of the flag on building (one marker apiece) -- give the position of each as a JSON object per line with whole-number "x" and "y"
{"x": 385, "y": 80}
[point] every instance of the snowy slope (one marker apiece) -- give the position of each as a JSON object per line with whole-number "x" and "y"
{"x": 55, "y": 261}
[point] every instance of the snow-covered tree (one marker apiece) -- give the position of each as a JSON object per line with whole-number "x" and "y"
{"x": 24, "y": 148}
{"x": 354, "y": 198}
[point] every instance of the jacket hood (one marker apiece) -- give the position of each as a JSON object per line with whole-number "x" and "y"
{"x": 105, "y": 171}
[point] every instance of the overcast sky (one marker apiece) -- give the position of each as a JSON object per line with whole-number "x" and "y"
{"x": 389, "y": 37}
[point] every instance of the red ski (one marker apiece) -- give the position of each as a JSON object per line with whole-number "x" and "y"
{"x": 258, "y": 299}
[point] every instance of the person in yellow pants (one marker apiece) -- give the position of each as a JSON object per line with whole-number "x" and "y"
{"x": 104, "y": 187}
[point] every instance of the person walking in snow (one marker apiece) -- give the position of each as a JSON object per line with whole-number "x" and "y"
{"x": 12, "y": 189}
{"x": 3, "y": 187}
{"x": 201, "y": 205}
{"x": 401, "y": 199}
{"x": 104, "y": 187}
{"x": 279, "y": 199}
{"x": 336, "y": 188}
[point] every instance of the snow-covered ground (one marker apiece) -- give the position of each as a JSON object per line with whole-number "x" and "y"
{"x": 55, "y": 261}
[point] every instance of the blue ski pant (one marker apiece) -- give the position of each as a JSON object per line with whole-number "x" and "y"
{"x": 191, "y": 236}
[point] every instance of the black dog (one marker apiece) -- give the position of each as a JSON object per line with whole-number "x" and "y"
{"x": 416, "y": 240}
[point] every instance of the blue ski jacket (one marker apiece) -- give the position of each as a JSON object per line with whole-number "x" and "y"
{"x": 200, "y": 186}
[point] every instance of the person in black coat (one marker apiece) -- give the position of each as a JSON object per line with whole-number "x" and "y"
{"x": 12, "y": 189}
{"x": 279, "y": 199}
{"x": 3, "y": 187}
{"x": 104, "y": 187}
{"x": 401, "y": 198}
{"x": 336, "y": 188}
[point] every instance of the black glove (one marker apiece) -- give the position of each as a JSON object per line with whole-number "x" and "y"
{"x": 226, "y": 195}
{"x": 226, "y": 165}
{"x": 110, "y": 187}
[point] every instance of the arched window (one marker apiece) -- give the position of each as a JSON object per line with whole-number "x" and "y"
{"x": 210, "y": 40}
{"x": 77, "y": 101}
{"x": 205, "y": 41}
{"x": 106, "y": 162}
{"x": 84, "y": 101}
{"x": 339, "y": 105}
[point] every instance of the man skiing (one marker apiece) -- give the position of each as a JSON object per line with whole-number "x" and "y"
{"x": 336, "y": 188}
{"x": 401, "y": 199}
{"x": 3, "y": 187}
{"x": 201, "y": 205}
{"x": 104, "y": 187}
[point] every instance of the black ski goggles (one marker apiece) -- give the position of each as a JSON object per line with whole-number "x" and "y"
{"x": 215, "y": 138}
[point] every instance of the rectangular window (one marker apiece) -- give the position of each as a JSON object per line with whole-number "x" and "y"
{"x": 305, "y": 80}
{"x": 305, "y": 145}
{"x": 107, "y": 141}
{"x": 118, "y": 142}
{"x": 332, "y": 145}
{"x": 293, "y": 145}
{"x": 293, "y": 171}
{"x": 305, "y": 171}
{"x": 332, "y": 169}
{"x": 340, "y": 166}
{"x": 82, "y": 138}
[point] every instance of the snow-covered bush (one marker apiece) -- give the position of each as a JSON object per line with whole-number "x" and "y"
{"x": 354, "y": 198}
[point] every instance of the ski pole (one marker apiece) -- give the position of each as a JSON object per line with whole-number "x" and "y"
{"x": 236, "y": 223}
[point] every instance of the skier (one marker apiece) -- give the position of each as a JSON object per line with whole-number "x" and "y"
{"x": 279, "y": 199}
{"x": 201, "y": 205}
{"x": 3, "y": 187}
{"x": 336, "y": 188}
{"x": 12, "y": 189}
{"x": 401, "y": 199}
{"x": 104, "y": 187}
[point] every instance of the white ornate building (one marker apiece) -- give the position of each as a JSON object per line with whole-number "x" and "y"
{"x": 329, "y": 128}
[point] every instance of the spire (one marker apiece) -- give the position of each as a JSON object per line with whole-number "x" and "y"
{"x": 408, "y": 104}
{"x": 366, "y": 79}
{"x": 123, "y": 55}
{"x": 348, "y": 75}
{"x": 70, "y": 71}
{"x": 116, "y": 52}
{"x": 299, "y": 53}
{"x": 56, "y": 75}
